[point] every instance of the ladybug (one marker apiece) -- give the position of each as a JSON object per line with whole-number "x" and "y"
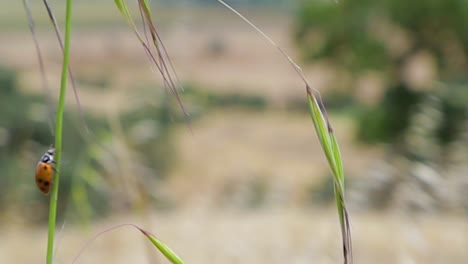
{"x": 45, "y": 171}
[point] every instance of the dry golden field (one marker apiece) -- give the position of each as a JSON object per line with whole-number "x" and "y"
{"x": 266, "y": 236}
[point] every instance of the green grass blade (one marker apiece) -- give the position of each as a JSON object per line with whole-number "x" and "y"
{"x": 338, "y": 159}
{"x": 54, "y": 22}
{"x": 322, "y": 132}
{"x": 161, "y": 59}
{"x": 122, "y": 6}
{"x": 339, "y": 206}
{"x": 146, "y": 8}
{"x": 58, "y": 134}
{"x": 165, "y": 250}
{"x": 332, "y": 152}
{"x": 341, "y": 214}
{"x": 325, "y": 134}
{"x": 344, "y": 225}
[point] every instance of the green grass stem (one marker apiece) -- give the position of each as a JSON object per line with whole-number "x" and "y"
{"x": 58, "y": 134}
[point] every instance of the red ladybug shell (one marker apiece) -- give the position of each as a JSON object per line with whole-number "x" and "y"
{"x": 45, "y": 171}
{"x": 44, "y": 177}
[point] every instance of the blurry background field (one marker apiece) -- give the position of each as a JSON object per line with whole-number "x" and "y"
{"x": 250, "y": 184}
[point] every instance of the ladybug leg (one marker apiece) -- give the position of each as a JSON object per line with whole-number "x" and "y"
{"x": 54, "y": 169}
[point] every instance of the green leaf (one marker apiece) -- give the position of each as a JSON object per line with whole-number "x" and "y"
{"x": 322, "y": 131}
{"x": 147, "y": 9}
{"x": 122, "y": 6}
{"x": 170, "y": 255}
{"x": 338, "y": 159}
{"x": 332, "y": 152}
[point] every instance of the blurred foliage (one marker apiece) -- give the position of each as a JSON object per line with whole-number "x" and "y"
{"x": 25, "y": 133}
{"x": 404, "y": 65}
{"x": 91, "y": 165}
{"x": 208, "y": 100}
{"x": 321, "y": 193}
{"x": 387, "y": 122}
{"x": 388, "y": 37}
{"x": 149, "y": 132}
{"x": 101, "y": 82}
{"x": 348, "y": 32}
{"x": 118, "y": 166}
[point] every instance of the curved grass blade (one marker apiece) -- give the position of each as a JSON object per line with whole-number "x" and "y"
{"x": 170, "y": 255}
{"x": 168, "y": 74}
{"x": 147, "y": 13}
{"x": 58, "y": 34}
{"x": 332, "y": 152}
{"x": 338, "y": 160}
{"x": 45, "y": 83}
{"x": 165, "y": 250}
{"x": 86, "y": 132}
{"x": 327, "y": 139}
{"x": 322, "y": 129}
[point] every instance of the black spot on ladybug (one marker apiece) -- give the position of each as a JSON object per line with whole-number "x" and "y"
{"x": 46, "y": 183}
{"x": 44, "y": 167}
{"x": 39, "y": 180}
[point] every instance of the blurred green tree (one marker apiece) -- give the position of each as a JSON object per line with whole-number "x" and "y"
{"x": 411, "y": 45}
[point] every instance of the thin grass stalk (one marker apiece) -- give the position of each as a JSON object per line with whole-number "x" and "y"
{"x": 332, "y": 152}
{"x": 54, "y": 22}
{"x": 165, "y": 250}
{"x": 58, "y": 134}
{"x": 45, "y": 83}
{"x": 327, "y": 139}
